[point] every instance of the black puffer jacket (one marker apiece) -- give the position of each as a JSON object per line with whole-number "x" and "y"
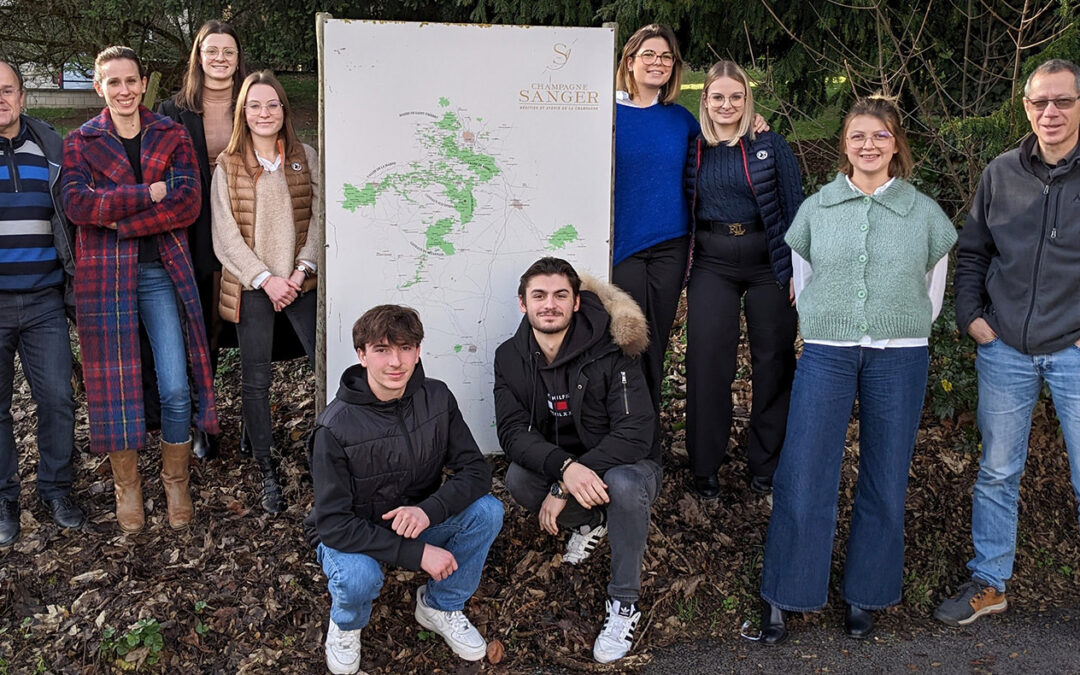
{"x": 369, "y": 456}
{"x": 609, "y": 401}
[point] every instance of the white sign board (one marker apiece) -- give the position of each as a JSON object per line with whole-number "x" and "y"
{"x": 455, "y": 156}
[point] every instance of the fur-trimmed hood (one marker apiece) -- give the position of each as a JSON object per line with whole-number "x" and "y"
{"x": 628, "y": 328}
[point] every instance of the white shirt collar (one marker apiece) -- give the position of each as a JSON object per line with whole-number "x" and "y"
{"x": 623, "y": 98}
{"x": 878, "y": 191}
{"x": 267, "y": 164}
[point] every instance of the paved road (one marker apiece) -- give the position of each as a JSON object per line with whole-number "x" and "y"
{"x": 1047, "y": 642}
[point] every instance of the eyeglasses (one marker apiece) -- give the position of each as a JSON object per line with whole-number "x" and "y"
{"x": 1061, "y": 103}
{"x": 879, "y": 138}
{"x": 650, "y": 57}
{"x": 9, "y": 92}
{"x": 256, "y": 108}
{"x": 213, "y": 52}
{"x": 718, "y": 100}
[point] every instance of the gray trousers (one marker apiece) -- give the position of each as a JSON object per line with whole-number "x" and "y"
{"x": 632, "y": 489}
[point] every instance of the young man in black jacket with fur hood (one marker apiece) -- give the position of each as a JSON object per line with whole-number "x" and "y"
{"x": 377, "y": 456}
{"x": 575, "y": 418}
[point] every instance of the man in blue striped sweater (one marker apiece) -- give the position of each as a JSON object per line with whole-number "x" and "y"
{"x": 35, "y": 273}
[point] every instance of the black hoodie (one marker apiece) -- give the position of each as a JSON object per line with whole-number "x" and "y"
{"x": 368, "y": 457}
{"x": 610, "y": 405}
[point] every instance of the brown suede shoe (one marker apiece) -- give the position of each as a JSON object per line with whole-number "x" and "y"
{"x": 128, "y": 488}
{"x": 175, "y": 458}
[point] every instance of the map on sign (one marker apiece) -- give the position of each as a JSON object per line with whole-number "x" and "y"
{"x": 441, "y": 188}
{"x": 434, "y": 198}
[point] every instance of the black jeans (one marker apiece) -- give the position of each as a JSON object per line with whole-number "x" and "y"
{"x": 728, "y": 272}
{"x": 632, "y": 489}
{"x": 255, "y": 332}
{"x": 654, "y": 278}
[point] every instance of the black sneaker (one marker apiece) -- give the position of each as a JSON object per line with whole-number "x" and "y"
{"x": 65, "y": 511}
{"x": 9, "y": 521}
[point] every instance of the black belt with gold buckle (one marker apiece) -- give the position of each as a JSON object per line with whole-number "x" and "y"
{"x": 729, "y": 229}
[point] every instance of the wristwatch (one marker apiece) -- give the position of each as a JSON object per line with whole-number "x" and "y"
{"x": 301, "y": 267}
{"x": 557, "y": 492}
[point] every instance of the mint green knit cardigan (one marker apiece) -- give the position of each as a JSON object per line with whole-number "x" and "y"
{"x": 870, "y": 256}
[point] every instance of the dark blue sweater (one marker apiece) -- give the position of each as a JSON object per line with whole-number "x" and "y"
{"x": 776, "y": 184}
{"x": 650, "y": 155}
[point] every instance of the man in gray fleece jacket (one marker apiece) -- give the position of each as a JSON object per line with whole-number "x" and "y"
{"x": 1017, "y": 293}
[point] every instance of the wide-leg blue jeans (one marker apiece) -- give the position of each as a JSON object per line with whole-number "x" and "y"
{"x": 890, "y": 385}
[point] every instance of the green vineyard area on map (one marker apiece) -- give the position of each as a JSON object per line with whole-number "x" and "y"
{"x": 561, "y": 237}
{"x": 452, "y": 166}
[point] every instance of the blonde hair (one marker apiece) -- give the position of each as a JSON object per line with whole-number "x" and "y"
{"x": 708, "y": 127}
{"x": 624, "y": 76}
{"x": 884, "y": 108}
{"x": 240, "y": 142}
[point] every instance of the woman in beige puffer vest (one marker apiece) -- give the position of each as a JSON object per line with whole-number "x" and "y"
{"x": 267, "y": 233}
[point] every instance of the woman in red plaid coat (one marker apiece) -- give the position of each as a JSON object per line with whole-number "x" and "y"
{"x": 131, "y": 187}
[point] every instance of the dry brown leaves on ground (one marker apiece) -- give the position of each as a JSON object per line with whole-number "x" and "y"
{"x": 241, "y": 591}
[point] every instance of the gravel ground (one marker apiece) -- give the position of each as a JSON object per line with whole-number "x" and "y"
{"x": 1045, "y": 642}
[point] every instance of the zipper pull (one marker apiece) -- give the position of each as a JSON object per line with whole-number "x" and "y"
{"x": 1053, "y": 232}
{"x": 625, "y": 398}
{"x": 1046, "y": 189}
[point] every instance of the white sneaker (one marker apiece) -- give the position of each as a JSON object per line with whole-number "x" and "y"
{"x": 582, "y": 542}
{"x": 617, "y": 635}
{"x": 453, "y": 627}
{"x": 342, "y": 650}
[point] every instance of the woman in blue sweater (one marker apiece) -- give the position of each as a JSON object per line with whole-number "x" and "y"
{"x": 652, "y": 218}
{"x": 745, "y": 191}
{"x": 870, "y": 257}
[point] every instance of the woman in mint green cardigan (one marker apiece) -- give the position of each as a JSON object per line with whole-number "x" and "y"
{"x": 870, "y": 258}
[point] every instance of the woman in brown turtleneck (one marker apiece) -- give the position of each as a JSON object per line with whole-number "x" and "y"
{"x": 204, "y": 105}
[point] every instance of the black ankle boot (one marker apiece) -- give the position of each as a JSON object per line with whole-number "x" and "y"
{"x": 707, "y": 487}
{"x": 272, "y": 500}
{"x": 858, "y": 622}
{"x": 204, "y": 445}
{"x": 773, "y": 630}
{"x": 245, "y": 442}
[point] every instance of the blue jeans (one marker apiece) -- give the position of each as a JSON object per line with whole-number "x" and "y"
{"x": 890, "y": 385}
{"x": 34, "y": 323}
{"x": 1009, "y": 386}
{"x": 355, "y": 579}
{"x": 159, "y": 312}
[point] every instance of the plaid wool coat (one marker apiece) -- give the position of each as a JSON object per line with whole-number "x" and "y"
{"x": 99, "y": 190}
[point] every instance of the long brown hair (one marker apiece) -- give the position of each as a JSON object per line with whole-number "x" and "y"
{"x": 240, "y": 142}
{"x": 624, "y": 76}
{"x": 191, "y": 91}
{"x": 887, "y": 112}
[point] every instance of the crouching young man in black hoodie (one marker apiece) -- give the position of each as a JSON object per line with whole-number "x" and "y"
{"x": 377, "y": 455}
{"x": 575, "y": 418}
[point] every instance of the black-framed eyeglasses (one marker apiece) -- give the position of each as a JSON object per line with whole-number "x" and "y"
{"x": 650, "y": 57}
{"x": 1061, "y": 102}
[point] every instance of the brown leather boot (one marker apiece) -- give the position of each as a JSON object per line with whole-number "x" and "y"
{"x": 175, "y": 458}
{"x": 128, "y": 488}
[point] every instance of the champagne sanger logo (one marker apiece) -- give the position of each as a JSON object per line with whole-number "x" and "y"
{"x": 557, "y": 95}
